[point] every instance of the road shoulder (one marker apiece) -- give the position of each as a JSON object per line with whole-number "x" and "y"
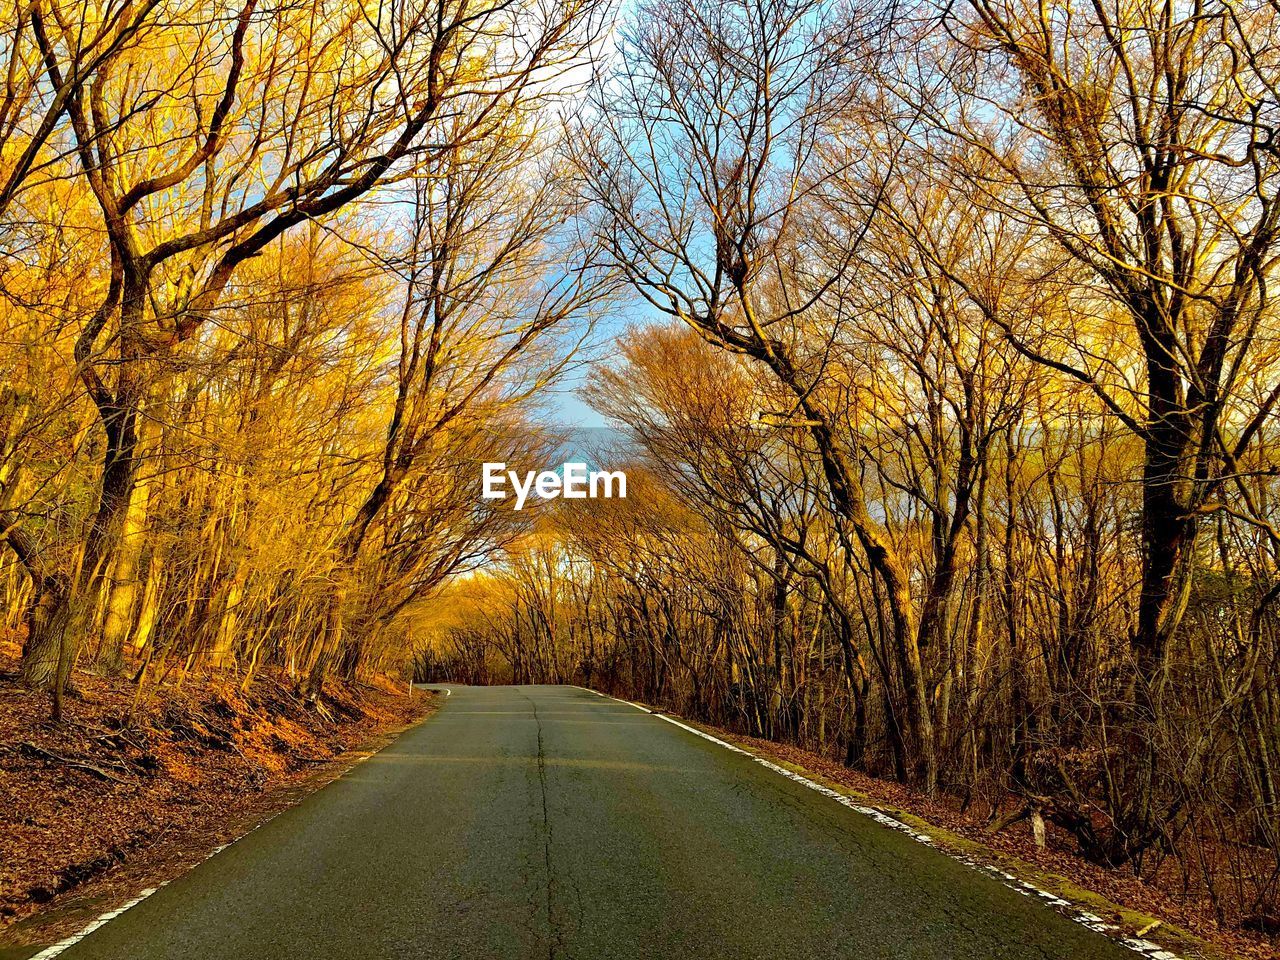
{"x": 1119, "y": 902}
{"x": 85, "y": 844}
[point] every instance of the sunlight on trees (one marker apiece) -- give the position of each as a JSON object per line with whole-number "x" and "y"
{"x": 949, "y": 403}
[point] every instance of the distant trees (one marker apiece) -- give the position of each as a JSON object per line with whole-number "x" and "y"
{"x": 488, "y": 277}
{"x": 952, "y": 417}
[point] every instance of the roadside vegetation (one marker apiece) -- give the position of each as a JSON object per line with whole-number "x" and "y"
{"x": 97, "y": 808}
{"x": 274, "y": 278}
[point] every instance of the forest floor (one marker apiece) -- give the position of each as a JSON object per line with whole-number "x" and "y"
{"x": 93, "y": 811}
{"x": 1187, "y": 925}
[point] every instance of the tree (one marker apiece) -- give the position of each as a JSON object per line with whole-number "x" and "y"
{"x": 709, "y": 159}
{"x": 1139, "y": 146}
{"x": 267, "y": 125}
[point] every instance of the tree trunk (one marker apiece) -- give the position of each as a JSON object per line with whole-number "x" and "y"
{"x": 118, "y": 411}
{"x": 122, "y": 584}
{"x": 221, "y": 657}
{"x": 148, "y": 611}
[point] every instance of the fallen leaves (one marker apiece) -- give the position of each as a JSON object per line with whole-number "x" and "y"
{"x": 1058, "y": 857}
{"x": 83, "y": 800}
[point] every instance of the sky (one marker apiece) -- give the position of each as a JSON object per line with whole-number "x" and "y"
{"x": 568, "y": 409}
{"x": 563, "y": 405}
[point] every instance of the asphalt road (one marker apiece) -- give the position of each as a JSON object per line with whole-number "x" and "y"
{"x": 547, "y": 822}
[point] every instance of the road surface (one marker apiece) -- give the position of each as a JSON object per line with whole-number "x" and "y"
{"x": 548, "y": 822}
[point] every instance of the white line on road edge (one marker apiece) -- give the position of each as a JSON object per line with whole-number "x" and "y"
{"x": 1063, "y": 907}
{"x": 55, "y": 949}
{"x": 428, "y": 687}
{"x": 75, "y": 938}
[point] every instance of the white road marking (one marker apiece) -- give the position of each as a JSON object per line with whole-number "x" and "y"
{"x": 430, "y": 687}
{"x": 75, "y": 938}
{"x": 1064, "y": 907}
{"x": 55, "y": 949}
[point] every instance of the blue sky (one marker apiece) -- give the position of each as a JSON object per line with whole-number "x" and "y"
{"x": 563, "y": 406}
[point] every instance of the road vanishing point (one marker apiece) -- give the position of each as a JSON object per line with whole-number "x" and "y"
{"x": 548, "y": 822}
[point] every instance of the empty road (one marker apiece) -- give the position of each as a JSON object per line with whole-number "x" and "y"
{"x": 547, "y": 822}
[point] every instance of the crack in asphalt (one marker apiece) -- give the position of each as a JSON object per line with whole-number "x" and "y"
{"x": 662, "y": 849}
{"x": 556, "y": 935}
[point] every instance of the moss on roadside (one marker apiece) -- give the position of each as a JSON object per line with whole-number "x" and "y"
{"x": 1158, "y": 931}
